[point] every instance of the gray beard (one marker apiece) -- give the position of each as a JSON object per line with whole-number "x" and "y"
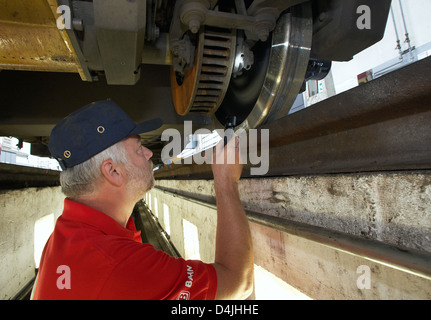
{"x": 140, "y": 181}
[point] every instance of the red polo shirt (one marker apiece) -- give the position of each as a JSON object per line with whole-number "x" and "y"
{"x": 91, "y": 256}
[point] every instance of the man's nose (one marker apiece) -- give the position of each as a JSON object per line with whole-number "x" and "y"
{"x": 148, "y": 153}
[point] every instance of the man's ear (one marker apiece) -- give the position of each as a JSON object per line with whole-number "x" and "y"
{"x": 112, "y": 172}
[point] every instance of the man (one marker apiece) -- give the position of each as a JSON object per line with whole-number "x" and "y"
{"x": 95, "y": 251}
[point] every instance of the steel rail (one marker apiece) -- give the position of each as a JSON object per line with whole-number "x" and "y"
{"x": 17, "y": 177}
{"x": 406, "y": 260}
{"x": 383, "y": 125}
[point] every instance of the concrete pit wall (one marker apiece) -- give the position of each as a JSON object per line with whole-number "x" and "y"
{"x": 27, "y": 218}
{"x": 391, "y": 208}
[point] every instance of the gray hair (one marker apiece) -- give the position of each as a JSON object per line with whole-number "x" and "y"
{"x": 82, "y": 179}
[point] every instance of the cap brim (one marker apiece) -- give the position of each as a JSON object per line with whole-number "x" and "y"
{"x": 147, "y": 126}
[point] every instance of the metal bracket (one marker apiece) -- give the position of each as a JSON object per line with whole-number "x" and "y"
{"x": 195, "y": 13}
{"x": 120, "y": 29}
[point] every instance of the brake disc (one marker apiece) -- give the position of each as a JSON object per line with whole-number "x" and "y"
{"x": 204, "y": 86}
{"x": 268, "y": 90}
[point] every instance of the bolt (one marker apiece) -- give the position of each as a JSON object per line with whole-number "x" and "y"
{"x": 263, "y": 34}
{"x": 265, "y": 22}
{"x": 194, "y": 25}
{"x": 78, "y": 24}
{"x": 193, "y": 14}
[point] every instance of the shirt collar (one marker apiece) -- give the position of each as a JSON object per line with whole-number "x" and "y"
{"x": 79, "y": 212}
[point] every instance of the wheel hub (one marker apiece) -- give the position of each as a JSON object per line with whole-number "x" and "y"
{"x": 268, "y": 90}
{"x": 257, "y": 86}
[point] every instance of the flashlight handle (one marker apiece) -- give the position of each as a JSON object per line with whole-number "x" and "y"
{"x": 230, "y": 124}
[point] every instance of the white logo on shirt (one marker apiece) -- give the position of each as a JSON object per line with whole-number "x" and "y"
{"x": 189, "y": 282}
{"x": 184, "y": 295}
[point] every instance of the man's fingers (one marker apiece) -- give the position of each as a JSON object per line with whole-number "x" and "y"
{"x": 227, "y": 154}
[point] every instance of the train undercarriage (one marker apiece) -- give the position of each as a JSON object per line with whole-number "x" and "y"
{"x": 199, "y": 60}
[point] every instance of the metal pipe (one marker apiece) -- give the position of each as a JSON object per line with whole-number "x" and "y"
{"x": 405, "y": 28}
{"x": 396, "y": 33}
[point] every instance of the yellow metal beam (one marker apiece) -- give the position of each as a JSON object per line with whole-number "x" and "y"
{"x": 30, "y": 39}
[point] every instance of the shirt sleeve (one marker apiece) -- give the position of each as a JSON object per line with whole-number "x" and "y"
{"x": 149, "y": 274}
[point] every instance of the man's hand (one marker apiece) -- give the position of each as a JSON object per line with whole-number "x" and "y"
{"x": 226, "y": 165}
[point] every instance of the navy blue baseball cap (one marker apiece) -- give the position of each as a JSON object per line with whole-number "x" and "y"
{"x": 92, "y": 129}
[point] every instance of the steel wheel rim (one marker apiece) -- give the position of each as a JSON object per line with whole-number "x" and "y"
{"x": 289, "y": 56}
